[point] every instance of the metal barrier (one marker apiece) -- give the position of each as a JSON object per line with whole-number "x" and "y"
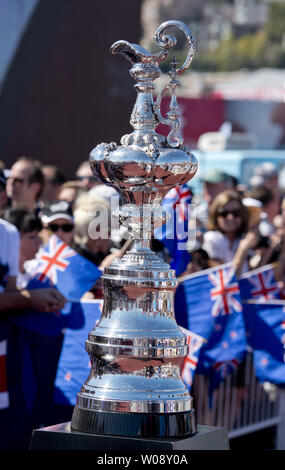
{"x": 240, "y": 403}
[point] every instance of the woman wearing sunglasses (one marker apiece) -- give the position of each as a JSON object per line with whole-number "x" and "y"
{"x": 227, "y": 239}
{"x": 57, "y": 217}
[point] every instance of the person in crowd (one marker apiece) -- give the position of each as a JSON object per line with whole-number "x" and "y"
{"x": 264, "y": 176}
{"x": 199, "y": 261}
{"x": 119, "y": 233}
{"x": 29, "y": 227}
{"x": 14, "y": 418}
{"x": 11, "y": 298}
{"x": 57, "y": 217}
{"x": 254, "y": 208}
{"x": 85, "y": 176}
{"x": 3, "y": 193}
{"x": 270, "y": 200}
{"x": 87, "y": 240}
{"x": 53, "y": 180}
{"x": 279, "y": 239}
{"x": 258, "y": 221}
{"x": 226, "y": 240}
{"x": 25, "y": 183}
{"x": 273, "y": 249}
{"x": 92, "y": 216}
{"x": 9, "y": 256}
{"x": 70, "y": 191}
{"x": 270, "y": 204}
{"x": 214, "y": 182}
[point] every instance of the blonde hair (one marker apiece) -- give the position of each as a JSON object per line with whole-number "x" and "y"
{"x": 87, "y": 207}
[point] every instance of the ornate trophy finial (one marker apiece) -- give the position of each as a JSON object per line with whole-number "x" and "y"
{"x": 137, "y": 349}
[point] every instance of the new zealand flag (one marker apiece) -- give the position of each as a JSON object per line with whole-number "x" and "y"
{"x": 57, "y": 265}
{"x": 195, "y": 343}
{"x": 60, "y": 266}
{"x": 259, "y": 284}
{"x": 265, "y": 325}
{"x": 74, "y": 364}
{"x": 174, "y": 234}
{"x": 214, "y": 312}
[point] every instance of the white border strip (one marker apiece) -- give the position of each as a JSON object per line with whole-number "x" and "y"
{"x": 257, "y": 270}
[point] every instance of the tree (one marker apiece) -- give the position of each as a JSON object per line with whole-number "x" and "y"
{"x": 275, "y": 27}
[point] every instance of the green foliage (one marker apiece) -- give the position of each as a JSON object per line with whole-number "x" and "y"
{"x": 264, "y": 48}
{"x": 275, "y": 27}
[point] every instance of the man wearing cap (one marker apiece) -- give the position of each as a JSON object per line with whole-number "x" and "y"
{"x": 57, "y": 217}
{"x": 215, "y": 182}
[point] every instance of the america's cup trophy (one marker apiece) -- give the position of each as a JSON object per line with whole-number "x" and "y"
{"x": 136, "y": 350}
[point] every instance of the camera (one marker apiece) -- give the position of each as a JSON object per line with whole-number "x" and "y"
{"x": 264, "y": 242}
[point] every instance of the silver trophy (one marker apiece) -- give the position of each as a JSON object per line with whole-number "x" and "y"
{"x": 137, "y": 349}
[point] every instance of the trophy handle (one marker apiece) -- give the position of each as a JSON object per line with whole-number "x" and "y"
{"x": 167, "y": 42}
{"x": 174, "y": 137}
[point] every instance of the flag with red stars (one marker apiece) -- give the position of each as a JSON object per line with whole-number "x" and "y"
{"x": 57, "y": 265}
{"x": 265, "y": 326}
{"x": 74, "y": 363}
{"x": 259, "y": 284}
{"x": 195, "y": 343}
{"x": 175, "y": 233}
{"x": 214, "y": 312}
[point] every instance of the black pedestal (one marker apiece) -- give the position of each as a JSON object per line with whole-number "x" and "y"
{"x": 59, "y": 437}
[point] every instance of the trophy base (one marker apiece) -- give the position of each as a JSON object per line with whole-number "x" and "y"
{"x": 60, "y": 437}
{"x": 145, "y": 425}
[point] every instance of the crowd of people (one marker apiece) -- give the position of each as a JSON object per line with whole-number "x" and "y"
{"x": 35, "y": 202}
{"x": 243, "y": 225}
{"x": 234, "y": 223}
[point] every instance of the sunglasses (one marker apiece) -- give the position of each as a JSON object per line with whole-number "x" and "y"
{"x": 64, "y": 227}
{"x": 235, "y": 213}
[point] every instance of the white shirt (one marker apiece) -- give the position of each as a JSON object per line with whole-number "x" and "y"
{"x": 24, "y": 278}
{"x": 9, "y": 248}
{"x": 218, "y": 246}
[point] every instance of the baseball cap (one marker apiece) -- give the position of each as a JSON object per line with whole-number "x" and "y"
{"x": 56, "y": 210}
{"x": 217, "y": 176}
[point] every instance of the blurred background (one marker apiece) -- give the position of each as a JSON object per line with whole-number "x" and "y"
{"x": 62, "y": 92}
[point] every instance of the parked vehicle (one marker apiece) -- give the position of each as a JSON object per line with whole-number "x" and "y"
{"x": 238, "y": 163}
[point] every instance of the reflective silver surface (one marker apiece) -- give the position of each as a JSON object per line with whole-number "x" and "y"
{"x": 137, "y": 349}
